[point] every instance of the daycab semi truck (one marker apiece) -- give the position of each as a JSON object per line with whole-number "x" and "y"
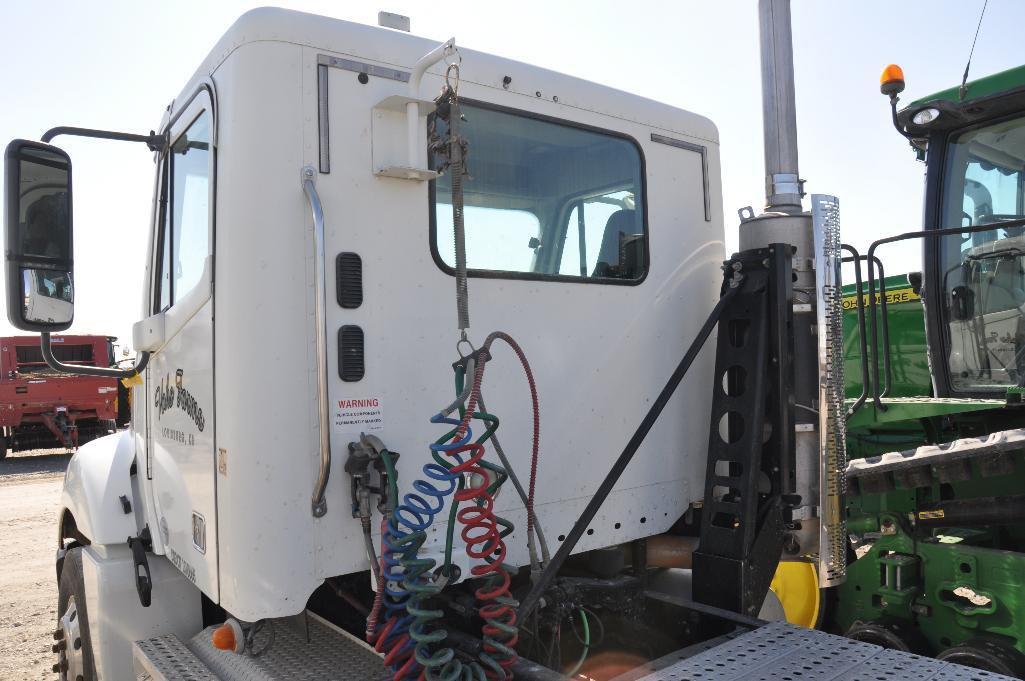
{"x": 333, "y": 204}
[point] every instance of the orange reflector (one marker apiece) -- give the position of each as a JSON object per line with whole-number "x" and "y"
{"x": 223, "y": 637}
{"x": 892, "y": 80}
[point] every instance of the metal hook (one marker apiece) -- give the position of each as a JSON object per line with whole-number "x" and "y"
{"x": 452, "y": 67}
{"x": 459, "y": 344}
{"x": 451, "y": 50}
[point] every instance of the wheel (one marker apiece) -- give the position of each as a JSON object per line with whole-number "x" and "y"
{"x": 890, "y": 633}
{"x": 3, "y": 447}
{"x": 73, "y": 647}
{"x": 987, "y": 655}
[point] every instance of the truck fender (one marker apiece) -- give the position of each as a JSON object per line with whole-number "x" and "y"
{"x": 115, "y": 617}
{"x": 98, "y": 475}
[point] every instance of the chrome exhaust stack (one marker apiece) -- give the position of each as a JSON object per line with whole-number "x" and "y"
{"x": 817, "y": 531}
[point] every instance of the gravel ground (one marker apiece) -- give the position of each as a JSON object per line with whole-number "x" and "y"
{"x": 30, "y": 486}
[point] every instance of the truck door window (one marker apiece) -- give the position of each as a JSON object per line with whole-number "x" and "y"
{"x": 983, "y": 273}
{"x": 185, "y": 233}
{"x": 527, "y": 179}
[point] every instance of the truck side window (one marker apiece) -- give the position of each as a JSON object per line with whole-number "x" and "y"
{"x": 544, "y": 199}
{"x": 164, "y": 244}
{"x": 185, "y": 232}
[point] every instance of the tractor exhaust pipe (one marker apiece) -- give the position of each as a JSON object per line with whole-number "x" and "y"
{"x": 779, "y": 118}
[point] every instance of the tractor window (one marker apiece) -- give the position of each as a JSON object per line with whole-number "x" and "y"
{"x": 544, "y": 200}
{"x": 983, "y": 273}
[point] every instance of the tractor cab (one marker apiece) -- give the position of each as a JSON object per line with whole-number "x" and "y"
{"x": 973, "y": 138}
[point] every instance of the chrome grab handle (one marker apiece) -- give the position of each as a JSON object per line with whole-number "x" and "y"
{"x": 320, "y": 489}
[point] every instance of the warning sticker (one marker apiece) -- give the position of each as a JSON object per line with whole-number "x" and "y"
{"x": 359, "y": 415}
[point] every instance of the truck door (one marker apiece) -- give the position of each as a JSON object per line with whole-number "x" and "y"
{"x": 181, "y": 461}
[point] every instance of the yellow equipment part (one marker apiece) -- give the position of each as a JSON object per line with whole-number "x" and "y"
{"x": 796, "y": 585}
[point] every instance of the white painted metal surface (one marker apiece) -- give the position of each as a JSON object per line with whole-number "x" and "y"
{"x": 97, "y": 475}
{"x": 600, "y": 352}
{"x": 116, "y": 618}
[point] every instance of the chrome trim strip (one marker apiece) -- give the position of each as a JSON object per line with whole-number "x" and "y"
{"x": 360, "y": 67}
{"x": 698, "y": 149}
{"x": 323, "y": 120}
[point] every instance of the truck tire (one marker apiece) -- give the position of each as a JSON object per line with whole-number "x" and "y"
{"x": 3, "y": 447}
{"x": 74, "y": 647}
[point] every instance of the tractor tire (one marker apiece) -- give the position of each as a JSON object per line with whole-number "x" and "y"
{"x": 894, "y": 634}
{"x": 74, "y": 646}
{"x": 987, "y": 655}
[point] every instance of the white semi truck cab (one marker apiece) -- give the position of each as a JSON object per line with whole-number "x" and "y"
{"x": 313, "y": 486}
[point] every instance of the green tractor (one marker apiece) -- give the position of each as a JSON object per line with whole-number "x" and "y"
{"x": 935, "y": 371}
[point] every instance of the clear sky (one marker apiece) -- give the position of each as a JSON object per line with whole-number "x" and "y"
{"x": 116, "y": 65}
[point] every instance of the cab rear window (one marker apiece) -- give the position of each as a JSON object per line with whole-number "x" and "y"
{"x": 544, "y": 200}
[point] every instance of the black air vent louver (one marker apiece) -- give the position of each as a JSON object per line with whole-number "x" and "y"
{"x": 350, "y": 353}
{"x": 349, "y": 272}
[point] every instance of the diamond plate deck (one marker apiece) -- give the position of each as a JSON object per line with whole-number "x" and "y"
{"x": 165, "y": 658}
{"x": 329, "y": 655}
{"x": 783, "y": 652}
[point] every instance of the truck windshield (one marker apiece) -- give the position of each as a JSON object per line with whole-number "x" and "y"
{"x": 983, "y": 273}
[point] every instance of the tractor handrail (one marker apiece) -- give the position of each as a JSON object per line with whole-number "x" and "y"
{"x": 922, "y": 234}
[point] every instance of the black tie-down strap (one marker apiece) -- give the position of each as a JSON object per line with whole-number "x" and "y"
{"x": 748, "y": 482}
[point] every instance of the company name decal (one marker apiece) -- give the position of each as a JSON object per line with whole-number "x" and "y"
{"x": 175, "y": 396}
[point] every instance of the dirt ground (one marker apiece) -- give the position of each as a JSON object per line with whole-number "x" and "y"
{"x": 30, "y": 485}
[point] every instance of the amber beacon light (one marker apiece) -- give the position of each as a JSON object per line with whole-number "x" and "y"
{"x": 892, "y": 81}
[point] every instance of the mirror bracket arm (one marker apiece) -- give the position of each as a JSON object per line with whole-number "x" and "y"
{"x": 154, "y": 141}
{"x": 56, "y": 365}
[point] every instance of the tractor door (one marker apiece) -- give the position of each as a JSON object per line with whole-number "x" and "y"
{"x": 179, "y": 395}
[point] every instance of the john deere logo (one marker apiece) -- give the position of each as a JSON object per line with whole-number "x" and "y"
{"x": 900, "y": 295}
